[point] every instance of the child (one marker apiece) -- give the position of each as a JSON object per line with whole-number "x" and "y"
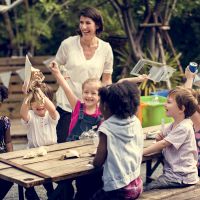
{"x": 5, "y": 140}
{"x": 41, "y": 119}
{"x": 121, "y": 142}
{"x": 85, "y": 116}
{"x": 196, "y": 116}
{"x": 177, "y": 143}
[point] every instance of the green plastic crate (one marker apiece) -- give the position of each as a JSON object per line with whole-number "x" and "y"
{"x": 154, "y": 111}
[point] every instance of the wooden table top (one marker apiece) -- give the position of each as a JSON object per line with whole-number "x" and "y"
{"x": 50, "y": 165}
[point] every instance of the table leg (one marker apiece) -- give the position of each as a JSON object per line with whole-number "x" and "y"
{"x": 20, "y": 192}
{"x": 150, "y": 169}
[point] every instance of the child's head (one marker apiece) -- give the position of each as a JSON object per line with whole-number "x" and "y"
{"x": 90, "y": 91}
{"x": 3, "y": 93}
{"x": 180, "y": 100}
{"x": 35, "y": 103}
{"x": 120, "y": 99}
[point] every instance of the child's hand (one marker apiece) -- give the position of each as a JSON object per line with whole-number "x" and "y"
{"x": 53, "y": 66}
{"x": 189, "y": 74}
{"x": 142, "y": 77}
{"x": 159, "y": 137}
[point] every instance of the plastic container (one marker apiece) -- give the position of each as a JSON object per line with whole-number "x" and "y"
{"x": 153, "y": 113}
{"x": 162, "y": 93}
{"x": 139, "y": 113}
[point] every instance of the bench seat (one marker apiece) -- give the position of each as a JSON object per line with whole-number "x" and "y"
{"x": 190, "y": 193}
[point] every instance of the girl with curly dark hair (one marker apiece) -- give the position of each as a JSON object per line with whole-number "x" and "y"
{"x": 120, "y": 142}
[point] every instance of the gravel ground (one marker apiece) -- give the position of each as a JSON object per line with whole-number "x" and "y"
{"x": 13, "y": 193}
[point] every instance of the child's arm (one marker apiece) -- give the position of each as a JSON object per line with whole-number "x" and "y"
{"x": 101, "y": 151}
{"x": 189, "y": 78}
{"x": 8, "y": 141}
{"x": 24, "y": 110}
{"x": 157, "y": 147}
{"x": 138, "y": 79}
{"x": 48, "y": 104}
{"x": 62, "y": 82}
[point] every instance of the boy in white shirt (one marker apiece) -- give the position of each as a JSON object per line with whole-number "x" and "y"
{"x": 40, "y": 118}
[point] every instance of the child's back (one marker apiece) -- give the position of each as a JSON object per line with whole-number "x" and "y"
{"x": 124, "y": 151}
{"x": 121, "y": 142}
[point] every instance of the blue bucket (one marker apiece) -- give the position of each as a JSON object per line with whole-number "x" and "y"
{"x": 163, "y": 93}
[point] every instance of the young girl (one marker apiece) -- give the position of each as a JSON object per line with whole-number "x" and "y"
{"x": 85, "y": 116}
{"x": 41, "y": 119}
{"x": 5, "y": 140}
{"x": 121, "y": 142}
{"x": 177, "y": 143}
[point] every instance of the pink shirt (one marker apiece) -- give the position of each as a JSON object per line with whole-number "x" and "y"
{"x": 75, "y": 114}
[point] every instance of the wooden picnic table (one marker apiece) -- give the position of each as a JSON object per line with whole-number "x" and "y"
{"x": 49, "y": 168}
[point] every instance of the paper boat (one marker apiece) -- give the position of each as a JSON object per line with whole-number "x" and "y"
{"x": 28, "y": 69}
{"x": 156, "y": 71}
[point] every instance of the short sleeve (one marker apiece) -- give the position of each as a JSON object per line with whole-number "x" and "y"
{"x": 4, "y": 124}
{"x": 55, "y": 121}
{"x": 177, "y": 136}
{"x": 7, "y": 122}
{"x": 27, "y": 123}
{"x": 108, "y": 66}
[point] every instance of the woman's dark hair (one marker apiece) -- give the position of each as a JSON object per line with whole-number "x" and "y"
{"x": 3, "y": 93}
{"x": 123, "y": 98}
{"x": 95, "y": 15}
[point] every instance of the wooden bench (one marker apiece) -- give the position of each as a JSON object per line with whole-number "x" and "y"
{"x": 190, "y": 193}
{"x": 12, "y": 105}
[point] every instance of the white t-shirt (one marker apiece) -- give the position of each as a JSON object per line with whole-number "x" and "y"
{"x": 180, "y": 158}
{"x": 124, "y": 151}
{"x": 41, "y": 130}
{"x": 70, "y": 54}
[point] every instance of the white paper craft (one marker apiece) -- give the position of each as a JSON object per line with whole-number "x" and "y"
{"x": 5, "y": 78}
{"x": 48, "y": 61}
{"x": 156, "y": 71}
{"x": 21, "y": 73}
{"x": 28, "y": 70}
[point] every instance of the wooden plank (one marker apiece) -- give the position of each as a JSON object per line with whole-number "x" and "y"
{"x": 171, "y": 194}
{"x": 24, "y": 168}
{"x": 21, "y": 60}
{"x": 55, "y": 147}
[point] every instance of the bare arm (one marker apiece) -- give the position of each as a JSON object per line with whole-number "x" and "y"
{"x": 8, "y": 141}
{"x": 24, "y": 110}
{"x": 48, "y": 105}
{"x": 106, "y": 79}
{"x": 62, "y": 82}
{"x": 138, "y": 79}
{"x": 101, "y": 151}
{"x": 189, "y": 78}
{"x": 157, "y": 147}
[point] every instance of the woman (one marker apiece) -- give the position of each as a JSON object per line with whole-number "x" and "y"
{"x": 81, "y": 57}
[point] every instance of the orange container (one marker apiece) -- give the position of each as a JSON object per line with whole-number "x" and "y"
{"x": 139, "y": 112}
